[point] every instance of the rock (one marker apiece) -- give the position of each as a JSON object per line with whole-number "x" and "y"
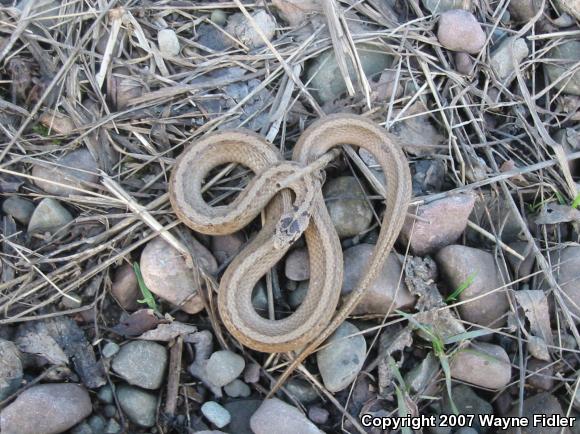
{"x": 503, "y": 56}
{"x": 297, "y": 265}
{"x": 525, "y": 267}
{"x": 112, "y": 427}
{"x": 325, "y": 78}
{"x": 296, "y": 297}
{"x": 438, "y": 6}
{"x": 340, "y": 362}
{"x": 381, "y": 293}
{"x": 125, "y": 288}
{"x": 49, "y": 216}
{"x": 106, "y": 395}
{"x": 421, "y": 377}
{"x": 318, "y": 414}
{"x": 237, "y": 388}
{"x": 216, "y": 414}
{"x": 218, "y": 17}
{"x": 141, "y": 363}
{"x": 139, "y": 406}
{"x": 440, "y": 224}
{"x": 223, "y": 367}
{"x": 110, "y": 349}
{"x": 241, "y": 28}
{"x": 20, "y": 209}
{"x": 167, "y": 275}
{"x": 252, "y": 373}
{"x": 540, "y": 374}
{"x": 241, "y": 412}
{"x": 123, "y": 87}
{"x": 568, "y": 276}
{"x": 571, "y": 7}
{"x": 301, "y": 390}
{"x": 542, "y": 403}
{"x": 225, "y": 247}
{"x": 96, "y": 423}
{"x": 46, "y": 409}
{"x": 460, "y": 31}
{"x": 168, "y": 43}
{"x": 463, "y": 63}
{"x": 296, "y": 11}
{"x": 213, "y": 38}
{"x": 498, "y": 209}
{"x": 275, "y": 416}
{"x": 483, "y": 365}
{"x": 467, "y": 402}
{"x": 461, "y": 264}
{"x": 524, "y": 10}
{"x": 349, "y": 211}
{"x": 70, "y": 171}
{"x": 56, "y": 122}
{"x": 10, "y": 369}
{"x": 561, "y": 60}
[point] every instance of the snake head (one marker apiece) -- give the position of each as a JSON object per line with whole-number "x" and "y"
{"x": 289, "y": 228}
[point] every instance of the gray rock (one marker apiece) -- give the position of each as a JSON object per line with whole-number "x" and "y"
{"x": 168, "y": 43}
{"x": 318, "y": 414}
{"x": 440, "y": 224}
{"x": 483, "y": 365}
{"x": 125, "y": 288}
{"x": 542, "y": 403}
{"x": 459, "y": 265}
{"x": 70, "y": 170}
{"x": 241, "y": 412}
{"x": 224, "y": 247}
{"x": 503, "y": 56}
{"x": 540, "y": 374}
{"x": 349, "y": 211}
{"x": 342, "y": 359}
{"x": 97, "y": 424}
{"x": 20, "y": 209}
{"x": 113, "y": 427}
{"x": 141, "y": 363}
{"x": 421, "y": 376}
{"x": 568, "y": 276}
{"x": 467, "y": 402}
{"x": 241, "y": 28}
{"x": 110, "y": 349}
{"x": 252, "y": 373}
{"x": 275, "y": 416}
{"x": 46, "y": 409}
{"x": 223, "y": 367}
{"x": 463, "y": 63}
{"x": 438, "y": 6}
{"x": 237, "y": 389}
{"x": 105, "y": 395}
{"x": 297, "y": 265}
{"x": 571, "y": 7}
{"x": 562, "y": 59}
{"x": 459, "y": 30}
{"x": 524, "y": 10}
{"x": 139, "y": 406}
{"x": 167, "y": 275}
{"x": 325, "y": 77}
{"x": 301, "y": 390}
{"x": 218, "y": 17}
{"x": 216, "y": 414}
{"x": 296, "y": 297}
{"x": 10, "y": 369}
{"x": 110, "y": 411}
{"x": 381, "y": 293}
{"x": 49, "y": 216}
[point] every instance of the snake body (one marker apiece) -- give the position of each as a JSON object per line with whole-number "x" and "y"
{"x": 294, "y": 205}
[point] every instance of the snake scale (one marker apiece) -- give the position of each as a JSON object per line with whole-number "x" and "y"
{"x": 291, "y": 196}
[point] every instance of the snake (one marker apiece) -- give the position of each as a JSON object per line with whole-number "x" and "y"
{"x": 289, "y": 195}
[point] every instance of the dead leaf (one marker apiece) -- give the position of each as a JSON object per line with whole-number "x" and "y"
{"x": 42, "y": 345}
{"x": 137, "y": 323}
{"x": 535, "y": 306}
{"x": 168, "y": 332}
{"x": 538, "y": 348}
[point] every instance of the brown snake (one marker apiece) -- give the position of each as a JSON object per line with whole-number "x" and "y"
{"x": 287, "y": 217}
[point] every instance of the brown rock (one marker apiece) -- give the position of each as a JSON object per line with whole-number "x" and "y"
{"x": 463, "y": 63}
{"x": 296, "y": 11}
{"x": 483, "y": 365}
{"x": 440, "y": 224}
{"x": 166, "y": 274}
{"x": 524, "y": 10}
{"x": 224, "y": 247}
{"x": 542, "y": 403}
{"x": 58, "y": 123}
{"x": 125, "y": 288}
{"x": 297, "y": 265}
{"x": 381, "y": 293}
{"x": 46, "y": 409}
{"x": 460, "y": 31}
{"x": 275, "y": 416}
{"x": 71, "y": 170}
{"x": 459, "y": 264}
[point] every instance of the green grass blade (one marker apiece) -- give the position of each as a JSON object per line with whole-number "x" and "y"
{"x": 148, "y": 298}
{"x": 455, "y": 294}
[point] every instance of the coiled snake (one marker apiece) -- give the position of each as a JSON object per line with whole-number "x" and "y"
{"x": 290, "y": 193}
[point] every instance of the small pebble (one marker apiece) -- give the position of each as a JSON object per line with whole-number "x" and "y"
{"x": 275, "y": 416}
{"x": 110, "y": 411}
{"x": 241, "y": 28}
{"x": 459, "y": 30}
{"x": 297, "y": 265}
{"x": 318, "y": 415}
{"x": 463, "y": 63}
{"x": 224, "y": 247}
{"x": 110, "y": 349}
{"x": 49, "y": 216}
{"x": 141, "y": 363}
{"x": 125, "y": 288}
{"x": 223, "y": 367}
{"x": 237, "y": 388}
{"x": 105, "y": 395}
{"x": 524, "y": 10}
{"x": 20, "y": 209}
{"x": 483, "y": 365}
{"x": 301, "y": 390}
{"x": 168, "y": 42}
{"x": 502, "y": 58}
{"x": 252, "y": 373}
{"x": 349, "y": 211}
{"x": 340, "y": 361}
{"x": 218, "y": 17}
{"x": 216, "y": 414}
{"x": 112, "y": 427}
{"x": 139, "y": 406}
